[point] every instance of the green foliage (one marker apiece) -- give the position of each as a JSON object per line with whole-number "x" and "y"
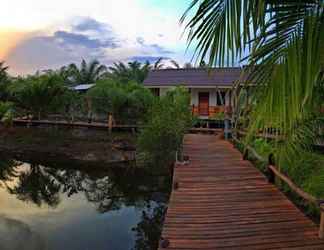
{"x": 38, "y": 94}
{"x": 218, "y": 116}
{"x": 71, "y": 104}
{"x": 263, "y": 147}
{"x": 7, "y": 113}
{"x": 87, "y": 73}
{"x": 169, "y": 119}
{"x": 123, "y": 101}
{"x": 133, "y": 71}
{"x": 5, "y": 107}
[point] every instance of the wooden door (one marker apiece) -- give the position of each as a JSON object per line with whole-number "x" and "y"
{"x": 204, "y": 103}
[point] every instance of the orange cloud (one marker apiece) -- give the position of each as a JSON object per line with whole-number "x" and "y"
{"x": 9, "y": 40}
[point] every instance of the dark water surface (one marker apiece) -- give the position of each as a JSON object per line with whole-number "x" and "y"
{"x": 51, "y": 208}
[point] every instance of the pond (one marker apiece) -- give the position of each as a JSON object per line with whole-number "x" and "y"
{"x": 64, "y": 208}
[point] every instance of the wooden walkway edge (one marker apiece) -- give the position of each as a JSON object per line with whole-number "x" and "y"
{"x": 224, "y": 202}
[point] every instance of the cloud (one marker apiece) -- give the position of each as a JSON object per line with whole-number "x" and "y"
{"x": 83, "y": 38}
{"x": 87, "y": 23}
{"x": 87, "y": 39}
{"x": 140, "y": 40}
{"x": 144, "y": 59}
{"x": 161, "y": 50}
{"x": 75, "y": 39}
{"x": 152, "y": 48}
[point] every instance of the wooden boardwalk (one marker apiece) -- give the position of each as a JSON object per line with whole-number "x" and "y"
{"x": 223, "y": 202}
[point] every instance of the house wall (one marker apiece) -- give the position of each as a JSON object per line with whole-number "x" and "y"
{"x": 213, "y": 95}
{"x": 163, "y": 91}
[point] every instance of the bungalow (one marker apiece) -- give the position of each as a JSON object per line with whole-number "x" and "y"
{"x": 211, "y": 91}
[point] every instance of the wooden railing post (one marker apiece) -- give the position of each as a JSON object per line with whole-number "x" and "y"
{"x": 245, "y": 154}
{"x": 321, "y": 230}
{"x": 271, "y": 174}
{"x": 110, "y": 123}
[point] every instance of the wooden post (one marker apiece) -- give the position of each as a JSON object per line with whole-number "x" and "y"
{"x": 164, "y": 243}
{"x": 271, "y": 174}
{"x": 110, "y": 123}
{"x": 245, "y": 154}
{"x": 175, "y": 185}
{"x": 321, "y": 231}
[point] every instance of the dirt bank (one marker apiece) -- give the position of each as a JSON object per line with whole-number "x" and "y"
{"x": 86, "y": 146}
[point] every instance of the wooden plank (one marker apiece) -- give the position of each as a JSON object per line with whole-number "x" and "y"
{"x": 224, "y": 202}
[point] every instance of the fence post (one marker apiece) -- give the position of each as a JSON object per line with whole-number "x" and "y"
{"x": 271, "y": 175}
{"x": 110, "y": 123}
{"x": 321, "y": 230}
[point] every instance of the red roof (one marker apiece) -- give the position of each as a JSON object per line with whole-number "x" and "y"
{"x": 193, "y": 77}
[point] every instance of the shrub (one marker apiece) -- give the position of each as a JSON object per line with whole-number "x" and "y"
{"x": 123, "y": 101}
{"x": 5, "y": 107}
{"x": 38, "y": 94}
{"x": 6, "y": 113}
{"x": 168, "y": 121}
{"x": 218, "y": 116}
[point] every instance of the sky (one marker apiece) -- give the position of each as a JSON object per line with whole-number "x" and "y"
{"x": 43, "y": 34}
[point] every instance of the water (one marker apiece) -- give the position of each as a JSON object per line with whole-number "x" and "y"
{"x": 50, "y": 208}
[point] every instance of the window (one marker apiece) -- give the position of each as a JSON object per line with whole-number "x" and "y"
{"x": 221, "y": 98}
{"x": 156, "y": 91}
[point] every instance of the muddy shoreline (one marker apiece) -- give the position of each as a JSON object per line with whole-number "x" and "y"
{"x": 74, "y": 146}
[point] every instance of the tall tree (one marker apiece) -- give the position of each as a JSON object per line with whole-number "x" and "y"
{"x": 87, "y": 73}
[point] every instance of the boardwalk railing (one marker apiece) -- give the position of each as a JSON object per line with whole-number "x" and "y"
{"x": 274, "y": 173}
{"x": 99, "y": 125}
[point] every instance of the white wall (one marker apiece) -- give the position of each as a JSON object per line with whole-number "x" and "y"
{"x": 212, "y": 96}
{"x": 163, "y": 91}
{"x": 195, "y": 95}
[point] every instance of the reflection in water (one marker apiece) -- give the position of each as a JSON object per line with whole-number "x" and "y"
{"x": 11, "y": 230}
{"x": 115, "y": 209}
{"x": 149, "y": 228}
{"x": 37, "y": 186}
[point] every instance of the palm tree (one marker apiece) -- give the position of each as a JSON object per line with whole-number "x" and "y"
{"x": 158, "y": 64}
{"x": 133, "y": 71}
{"x": 87, "y": 73}
{"x": 175, "y": 64}
{"x": 284, "y": 44}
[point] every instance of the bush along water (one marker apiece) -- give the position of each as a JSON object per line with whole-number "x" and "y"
{"x": 167, "y": 122}
{"x": 6, "y": 113}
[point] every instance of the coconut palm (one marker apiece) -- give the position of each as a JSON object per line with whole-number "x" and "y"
{"x": 87, "y": 73}
{"x": 282, "y": 43}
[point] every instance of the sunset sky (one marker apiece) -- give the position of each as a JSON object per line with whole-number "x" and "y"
{"x": 42, "y": 34}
